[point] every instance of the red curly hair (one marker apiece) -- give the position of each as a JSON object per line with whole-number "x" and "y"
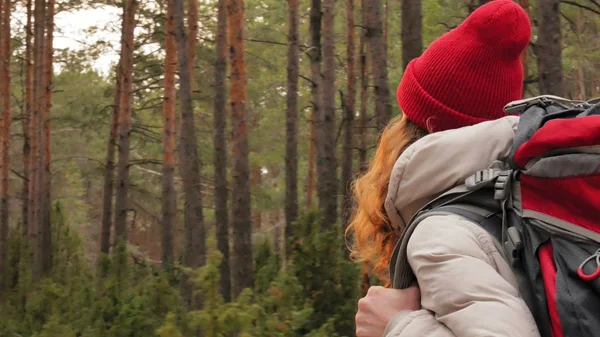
{"x": 373, "y": 236}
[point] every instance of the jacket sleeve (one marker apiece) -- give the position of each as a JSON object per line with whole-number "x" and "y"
{"x": 458, "y": 269}
{"x": 416, "y": 323}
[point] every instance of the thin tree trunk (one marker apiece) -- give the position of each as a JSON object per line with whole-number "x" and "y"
{"x": 168, "y": 181}
{"x": 5, "y": 56}
{"x": 549, "y": 49}
{"x": 37, "y": 141}
{"x": 256, "y": 182}
{"x": 411, "y": 34}
{"x": 315, "y": 56}
{"x": 241, "y": 223}
{"x": 194, "y": 247}
{"x": 386, "y": 27}
{"x": 109, "y": 170}
{"x": 220, "y": 151}
{"x": 349, "y": 110}
{"x": 326, "y": 148}
{"x": 524, "y": 54}
{"x": 291, "y": 120}
{"x": 124, "y": 128}
{"x": 365, "y": 279}
{"x": 580, "y": 54}
{"x": 364, "y": 81}
{"x": 27, "y": 122}
{"x": 45, "y": 196}
{"x": 192, "y": 31}
{"x": 378, "y": 63}
{"x": 312, "y": 164}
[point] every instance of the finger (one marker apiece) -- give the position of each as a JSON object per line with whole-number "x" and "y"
{"x": 374, "y": 290}
{"x": 363, "y": 304}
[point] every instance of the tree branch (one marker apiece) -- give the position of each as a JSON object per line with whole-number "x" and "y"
{"x": 572, "y": 3}
{"x": 266, "y": 41}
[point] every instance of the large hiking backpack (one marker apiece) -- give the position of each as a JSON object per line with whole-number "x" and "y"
{"x": 543, "y": 207}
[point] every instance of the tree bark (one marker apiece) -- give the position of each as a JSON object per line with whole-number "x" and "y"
{"x": 192, "y": 36}
{"x": 45, "y": 118}
{"x": 411, "y": 32}
{"x": 378, "y": 63}
{"x": 27, "y": 121}
{"x": 241, "y": 212}
{"x": 124, "y": 128}
{"x": 256, "y": 182}
{"x": 168, "y": 178}
{"x": 312, "y": 164}
{"x": 549, "y": 49}
{"x": 315, "y": 55}
{"x": 291, "y": 120}
{"x": 109, "y": 170}
{"x": 220, "y": 151}
{"x": 37, "y": 141}
{"x": 524, "y": 54}
{"x": 194, "y": 247}
{"x": 364, "y": 81}
{"x": 349, "y": 110}
{"x": 5, "y": 98}
{"x": 386, "y": 26}
{"x": 580, "y": 54}
{"x": 327, "y": 185}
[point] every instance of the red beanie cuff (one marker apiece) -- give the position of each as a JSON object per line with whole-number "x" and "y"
{"x": 423, "y": 109}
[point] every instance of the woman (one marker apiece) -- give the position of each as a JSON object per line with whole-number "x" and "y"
{"x": 453, "y": 124}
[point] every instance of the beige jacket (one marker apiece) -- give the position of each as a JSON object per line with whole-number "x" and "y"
{"x": 467, "y": 288}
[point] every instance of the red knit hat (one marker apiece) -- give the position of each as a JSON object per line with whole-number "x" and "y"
{"x": 468, "y": 75}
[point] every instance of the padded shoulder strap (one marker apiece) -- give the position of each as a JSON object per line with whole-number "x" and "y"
{"x": 489, "y": 220}
{"x": 401, "y": 274}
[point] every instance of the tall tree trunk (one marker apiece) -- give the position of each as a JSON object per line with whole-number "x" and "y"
{"x": 241, "y": 223}
{"x": 411, "y": 33}
{"x": 27, "y": 121}
{"x": 386, "y": 27}
{"x": 378, "y": 63}
{"x": 524, "y": 54}
{"x": 326, "y": 149}
{"x": 194, "y": 247}
{"x": 109, "y": 170}
{"x": 124, "y": 128}
{"x": 37, "y": 141}
{"x": 315, "y": 55}
{"x": 256, "y": 182}
{"x": 349, "y": 110}
{"x": 192, "y": 36}
{"x": 580, "y": 54}
{"x": 364, "y": 82}
{"x": 45, "y": 180}
{"x": 549, "y": 49}
{"x": 5, "y": 46}
{"x": 291, "y": 120}
{"x": 168, "y": 178}
{"x": 365, "y": 279}
{"x": 312, "y": 164}
{"x": 220, "y": 150}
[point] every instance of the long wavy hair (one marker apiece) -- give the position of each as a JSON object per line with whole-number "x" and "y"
{"x": 373, "y": 238}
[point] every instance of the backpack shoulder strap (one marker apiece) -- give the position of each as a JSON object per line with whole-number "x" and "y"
{"x": 490, "y": 220}
{"x": 402, "y": 276}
